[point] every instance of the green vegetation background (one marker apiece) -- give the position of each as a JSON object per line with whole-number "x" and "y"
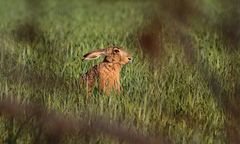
{"x": 169, "y": 95}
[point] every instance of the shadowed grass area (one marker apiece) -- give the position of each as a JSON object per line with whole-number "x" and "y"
{"x": 182, "y": 85}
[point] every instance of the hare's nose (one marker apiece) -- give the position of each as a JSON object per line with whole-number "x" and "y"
{"x": 130, "y": 60}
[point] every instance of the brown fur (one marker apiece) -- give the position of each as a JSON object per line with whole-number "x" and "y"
{"x": 107, "y": 73}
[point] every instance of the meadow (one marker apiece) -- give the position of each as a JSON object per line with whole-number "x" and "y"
{"x": 187, "y": 92}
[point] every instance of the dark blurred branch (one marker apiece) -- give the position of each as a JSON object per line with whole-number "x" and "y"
{"x": 55, "y": 126}
{"x": 175, "y": 20}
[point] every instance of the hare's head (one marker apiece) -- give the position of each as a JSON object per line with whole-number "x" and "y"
{"x": 112, "y": 54}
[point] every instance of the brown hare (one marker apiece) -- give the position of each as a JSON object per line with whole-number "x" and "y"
{"x": 107, "y": 73}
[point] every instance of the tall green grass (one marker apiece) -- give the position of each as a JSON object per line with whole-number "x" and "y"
{"x": 173, "y": 99}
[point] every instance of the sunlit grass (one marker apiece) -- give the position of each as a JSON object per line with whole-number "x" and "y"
{"x": 173, "y": 99}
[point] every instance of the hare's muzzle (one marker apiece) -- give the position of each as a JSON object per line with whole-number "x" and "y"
{"x": 130, "y": 60}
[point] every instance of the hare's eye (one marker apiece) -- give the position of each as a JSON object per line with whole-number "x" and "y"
{"x": 116, "y": 51}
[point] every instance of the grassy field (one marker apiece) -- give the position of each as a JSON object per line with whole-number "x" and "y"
{"x": 41, "y": 46}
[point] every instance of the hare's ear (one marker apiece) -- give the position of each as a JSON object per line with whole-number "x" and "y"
{"x": 93, "y": 54}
